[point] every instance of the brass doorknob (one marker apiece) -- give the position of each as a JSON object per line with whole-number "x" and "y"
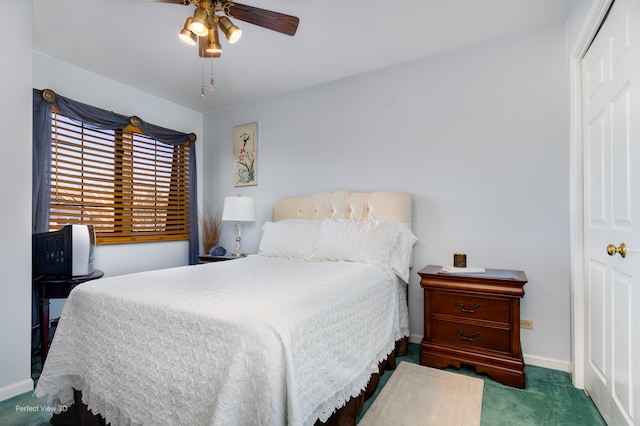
{"x": 612, "y": 250}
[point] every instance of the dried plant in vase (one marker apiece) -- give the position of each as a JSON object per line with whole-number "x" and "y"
{"x": 211, "y": 225}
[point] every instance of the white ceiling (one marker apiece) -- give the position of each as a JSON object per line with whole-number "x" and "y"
{"x": 135, "y": 41}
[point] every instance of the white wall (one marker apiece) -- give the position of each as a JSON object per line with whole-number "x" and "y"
{"x": 578, "y": 18}
{"x": 15, "y": 193}
{"x": 478, "y": 137}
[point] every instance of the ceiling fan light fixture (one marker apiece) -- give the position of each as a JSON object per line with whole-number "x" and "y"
{"x": 186, "y": 35}
{"x": 213, "y": 46}
{"x": 199, "y": 22}
{"x": 231, "y": 32}
{"x": 210, "y": 16}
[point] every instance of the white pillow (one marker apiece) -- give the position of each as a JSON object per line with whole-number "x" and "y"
{"x": 384, "y": 243}
{"x": 400, "y": 252}
{"x": 291, "y": 239}
{"x": 366, "y": 242}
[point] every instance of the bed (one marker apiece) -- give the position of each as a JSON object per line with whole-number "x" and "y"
{"x": 293, "y": 335}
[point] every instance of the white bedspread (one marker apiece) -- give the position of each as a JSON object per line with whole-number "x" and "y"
{"x": 254, "y": 341}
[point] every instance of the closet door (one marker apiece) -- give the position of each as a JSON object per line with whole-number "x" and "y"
{"x": 611, "y": 93}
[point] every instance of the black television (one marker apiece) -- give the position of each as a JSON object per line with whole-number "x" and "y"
{"x": 65, "y": 253}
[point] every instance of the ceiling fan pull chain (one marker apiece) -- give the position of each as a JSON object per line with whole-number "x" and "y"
{"x": 212, "y": 85}
{"x": 202, "y": 94}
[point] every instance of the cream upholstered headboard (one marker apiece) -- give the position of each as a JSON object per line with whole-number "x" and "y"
{"x": 360, "y": 206}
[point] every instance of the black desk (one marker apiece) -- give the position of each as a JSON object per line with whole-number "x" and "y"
{"x": 55, "y": 288}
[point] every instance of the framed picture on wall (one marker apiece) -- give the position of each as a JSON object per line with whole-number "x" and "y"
{"x": 245, "y": 155}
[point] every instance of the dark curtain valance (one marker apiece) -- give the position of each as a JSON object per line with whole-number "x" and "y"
{"x": 99, "y": 119}
{"x": 102, "y": 119}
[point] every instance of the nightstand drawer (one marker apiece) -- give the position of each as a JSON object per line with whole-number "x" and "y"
{"x": 471, "y": 306}
{"x": 471, "y": 335}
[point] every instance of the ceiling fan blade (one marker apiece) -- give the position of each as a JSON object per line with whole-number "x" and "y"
{"x": 285, "y": 24}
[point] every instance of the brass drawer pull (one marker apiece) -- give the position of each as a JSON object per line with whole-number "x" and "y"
{"x": 468, "y": 311}
{"x": 467, "y": 338}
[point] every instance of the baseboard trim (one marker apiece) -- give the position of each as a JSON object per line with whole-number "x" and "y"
{"x": 553, "y": 364}
{"x": 415, "y": 338}
{"x": 15, "y": 389}
{"x": 538, "y": 361}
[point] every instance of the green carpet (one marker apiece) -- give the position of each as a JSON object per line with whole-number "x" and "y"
{"x": 548, "y": 399}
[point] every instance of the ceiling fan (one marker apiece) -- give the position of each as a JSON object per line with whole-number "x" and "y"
{"x": 211, "y": 15}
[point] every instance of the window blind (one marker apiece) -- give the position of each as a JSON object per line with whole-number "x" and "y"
{"x": 129, "y": 186}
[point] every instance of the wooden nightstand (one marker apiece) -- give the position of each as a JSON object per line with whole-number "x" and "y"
{"x": 207, "y": 258}
{"x": 474, "y": 319}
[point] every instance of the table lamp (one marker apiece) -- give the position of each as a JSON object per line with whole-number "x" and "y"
{"x": 239, "y": 209}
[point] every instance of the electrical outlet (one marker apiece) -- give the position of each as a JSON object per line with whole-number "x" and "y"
{"x": 526, "y": 324}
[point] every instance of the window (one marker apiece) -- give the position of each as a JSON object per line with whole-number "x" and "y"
{"x": 130, "y": 187}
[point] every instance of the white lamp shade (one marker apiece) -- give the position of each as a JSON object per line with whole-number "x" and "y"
{"x": 241, "y": 209}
